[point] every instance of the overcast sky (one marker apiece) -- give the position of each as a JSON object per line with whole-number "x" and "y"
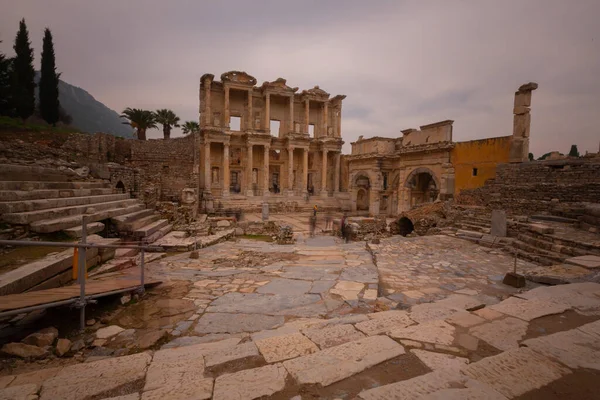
{"x": 402, "y": 64}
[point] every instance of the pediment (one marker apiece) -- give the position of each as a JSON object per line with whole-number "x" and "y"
{"x": 239, "y": 77}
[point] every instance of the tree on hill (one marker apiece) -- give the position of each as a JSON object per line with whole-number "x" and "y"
{"x": 190, "y": 127}
{"x": 23, "y": 86}
{"x": 168, "y": 119}
{"x": 574, "y": 152}
{"x": 140, "y": 120}
{"x": 49, "y": 104}
{"x": 531, "y": 157}
{"x": 6, "y": 105}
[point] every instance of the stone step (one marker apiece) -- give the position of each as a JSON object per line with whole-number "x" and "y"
{"x": 543, "y": 257}
{"x": 59, "y": 224}
{"x": 149, "y": 229}
{"x": 121, "y": 220}
{"x": 140, "y": 222}
{"x": 158, "y": 234}
{"x": 60, "y": 212}
{"x": 94, "y": 227}
{"x": 40, "y": 194}
{"x": 553, "y": 218}
{"x": 36, "y": 205}
{"x": 572, "y": 247}
{"x": 39, "y": 185}
{"x": 13, "y": 172}
{"x": 471, "y": 227}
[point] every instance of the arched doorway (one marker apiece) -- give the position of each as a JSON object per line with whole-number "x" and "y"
{"x": 120, "y": 187}
{"x": 423, "y": 187}
{"x": 362, "y": 185}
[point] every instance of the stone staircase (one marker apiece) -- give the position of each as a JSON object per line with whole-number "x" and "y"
{"x": 46, "y": 201}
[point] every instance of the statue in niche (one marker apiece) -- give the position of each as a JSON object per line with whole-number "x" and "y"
{"x": 235, "y": 155}
{"x": 254, "y": 176}
{"x": 215, "y": 175}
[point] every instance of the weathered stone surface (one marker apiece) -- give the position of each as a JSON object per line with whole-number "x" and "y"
{"x": 574, "y": 348}
{"x": 347, "y": 290}
{"x": 503, "y": 334}
{"x": 6, "y": 380}
{"x": 516, "y": 372}
{"x": 319, "y": 287}
{"x": 383, "y": 322}
{"x": 238, "y": 352}
{"x": 430, "y": 312}
{"x": 43, "y": 338}
{"x": 279, "y": 348}
{"x": 184, "y": 387}
{"x": 498, "y": 227}
{"x": 285, "y": 286}
{"x": 192, "y": 340}
{"x": 438, "y": 332}
{"x": 336, "y": 363}
{"x": 582, "y": 296}
{"x": 36, "y": 377}
{"x": 488, "y": 313}
{"x": 437, "y": 361}
{"x": 251, "y": 383}
{"x": 88, "y": 380}
{"x": 23, "y": 392}
{"x": 465, "y": 319}
{"x": 467, "y": 341}
{"x": 334, "y": 335}
{"x": 528, "y": 309}
{"x": 311, "y": 273}
{"x": 473, "y": 390}
{"x": 108, "y": 332}
{"x": 413, "y": 388}
{"x": 235, "y": 323}
{"x": 151, "y": 338}
{"x": 24, "y": 350}
{"x": 588, "y": 261}
{"x": 133, "y": 396}
{"x": 363, "y": 273}
{"x": 248, "y": 303}
{"x": 62, "y": 347}
{"x": 460, "y": 302}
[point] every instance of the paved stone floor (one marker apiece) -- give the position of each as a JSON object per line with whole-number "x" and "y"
{"x": 408, "y": 318}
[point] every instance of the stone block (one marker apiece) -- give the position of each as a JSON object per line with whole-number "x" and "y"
{"x": 23, "y": 392}
{"x": 514, "y": 280}
{"x": 23, "y": 350}
{"x": 415, "y": 388}
{"x": 498, "y": 223}
{"x": 238, "y": 352}
{"x": 588, "y": 261}
{"x": 437, "y": 332}
{"x": 340, "y": 362}
{"x": 384, "y": 322}
{"x": 503, "y": 334}
{"x": 528, "y": 309}
{"x": 236, "y": 323}
{"x": 330, "y": 336}
{"x": 284, "y": 347}
{"x": 251, "y": 383}
{"x": 435, "y": 361}
{"x": 465, "y": 319}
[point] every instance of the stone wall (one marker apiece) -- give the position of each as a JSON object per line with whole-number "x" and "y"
{"x": 99, "y": 147}
{"x": 539, "y": 186}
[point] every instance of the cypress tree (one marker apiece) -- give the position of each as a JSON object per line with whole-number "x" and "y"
{"x": 6, "y": 106}
{"x": 49, "y": 104}
{"x": 23, "y": 74}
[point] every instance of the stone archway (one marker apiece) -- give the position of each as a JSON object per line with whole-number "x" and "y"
{"x": 362, "y": 200}
{"x": 361, "y": 185}
{"x": 120, "y": 187}
{"x": 422, "y": 186}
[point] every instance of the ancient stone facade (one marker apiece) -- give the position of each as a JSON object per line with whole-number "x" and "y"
{"x": 391, "y": 175}
{"x": 267, "y": 140}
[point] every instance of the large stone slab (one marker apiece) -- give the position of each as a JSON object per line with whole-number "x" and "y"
{"x": 319, "y": 287}
{"x": 437, "y": 332}
{"x": 279, "y": 348}
{"x": 251, "y": 303}
{"x": 307, "y": 273}
{"x": 437, "y": 361}
{"x": 503, "y": 334}
{"x": 235, "y": 323}
{"x": 516, "y": 372}
{"x": 363, "y": 273}
{"x": 429, "y": 312}
{"x": 413, "y": 388}
{"x": 285, "y": 286}
{"x": 238, "y": 352}
{"x": 528, "y": 309}
{"x": 184, "y": 388}
{"x": 472, "y": 390}
{"x": 574, "y": 348}
{"x": 589, "y": 261}
{"x": 251, "y": 383}
{"x": 498, "y": 223}
{"x": 92, "y": 379}
{"x": 347, "y": 290}
{"x": 333, "y": 335}
{"x": 581, "y": 296}
{"x": 23, "y": 392}
{"x": 336, "y": 363}
{"x": 383, "y": 322}
{"x": 465, "y": 319}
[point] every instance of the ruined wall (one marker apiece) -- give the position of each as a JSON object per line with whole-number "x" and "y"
{"x": 433, "y": 133}
{"x": 475, "y": 161}
{"x": 100, "y": 147}
{"x": 376, "y": 145}
{"x": 539, "y": 186}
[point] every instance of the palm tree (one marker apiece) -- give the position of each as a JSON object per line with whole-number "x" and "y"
{"x": 190, "y": 127}
{"x": 167, "y": 119}
{"x": 140, "y": 120}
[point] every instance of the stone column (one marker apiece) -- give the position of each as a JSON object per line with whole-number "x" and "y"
{"x": 339, "y": 122}
{"x": 207, "y": 107}
{"x": 336, "y": 178}
{"x": 249, "y": 191}
{"x": 226, "y": 175}
{"x": 226, "y": 108}
{"x": 268, "y": 112}
{"x": 306, "y": 115}
{"x": 519, "y": 146}
{"x": 291, "y": 116}
{"x": 325, "y": 116}
{"x": 207, "y": 167}
{"x": 305, "y": 171}
{"x": 250, "y": 122}
{"x": 290, "y": 151}
{"x": 265, "y": 184}
{"x": 324, "y": 175}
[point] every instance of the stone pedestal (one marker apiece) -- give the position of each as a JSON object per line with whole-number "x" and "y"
{"x": 498, "y": 223}
{"x": 265, "y": 211}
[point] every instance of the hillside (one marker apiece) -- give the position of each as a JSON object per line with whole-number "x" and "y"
{"x": 89, "y": 115}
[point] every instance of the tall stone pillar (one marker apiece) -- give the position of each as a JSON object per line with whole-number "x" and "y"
{"x": 226, "y": 175}
{"x": 339, "y": 122}
{"x": 306, "y": 115}
{"x": 336, "y": 178}
{"x": 291, "y": 116}
{"x": 265, "y": 184}
{"x": 325, "y": 116}
{"x": 250, "y": 117}
{"x": 290, "y": 181}
{"x": 305, "y": 170}
{"x": 324, "y": 175}
{"x": 207, "y": 106}
{"x": 207, "y": 168}
{"x": 249, "y": 191}
{"x": 226, "y": 108}
{"x": 519, "y": 146}
{"x": 268, "y": 112}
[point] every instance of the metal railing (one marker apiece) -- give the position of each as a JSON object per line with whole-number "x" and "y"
{"x": 83, "y": 299}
